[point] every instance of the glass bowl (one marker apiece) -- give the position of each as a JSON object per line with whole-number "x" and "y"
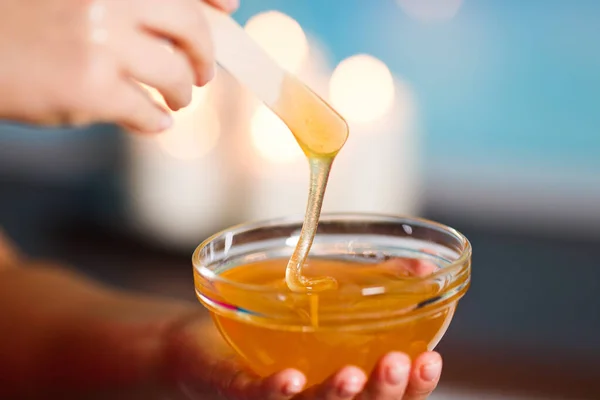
{"x": 400, "y": 280}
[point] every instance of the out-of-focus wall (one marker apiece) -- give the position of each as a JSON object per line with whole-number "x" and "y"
{"x": 508, "y": 92}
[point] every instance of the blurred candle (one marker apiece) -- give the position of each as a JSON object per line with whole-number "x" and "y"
{"x": 316, "y": 71}
{"x": 278, "y": 169}
{"x": 281, "y": 37}
{"x": 376, "y": 171}
{"x": 179, "y": 182}
{"x": 274, "y": 165}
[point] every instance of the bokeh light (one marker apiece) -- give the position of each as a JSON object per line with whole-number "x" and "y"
{"x": 196, "y": 128}
{"x": 281, "y": 37}
{"x": 362, "y": 88}
{"x": 194, "y": 134}
{"x": 272, "y": 138}
{"x": 200, "y": 96}
{"x": 316, "y": 71}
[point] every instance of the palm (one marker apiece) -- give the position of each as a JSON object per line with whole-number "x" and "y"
{"x": 208, "y": 369}
{"x": 124, "y": 346}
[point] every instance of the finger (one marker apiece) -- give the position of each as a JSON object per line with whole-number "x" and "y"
{"x": 389, "y": 378}
{"x": 182, "y": 21}
{"x": 203, "y": 368}
{"x": 282, "y": 386}
{"x": 343, "y": 385}
{"x": 168, "y": 70}
{"x": 424, "y": 376}
{"x": 228, "y": 6}
{"x": 137, "y": 111}
{"x": 234, "y": 383}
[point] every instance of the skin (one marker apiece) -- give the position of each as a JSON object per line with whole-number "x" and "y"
{"x": 81, "y": 61}
{"x": 64, "y": 336}
{"x": 78, "y": 62}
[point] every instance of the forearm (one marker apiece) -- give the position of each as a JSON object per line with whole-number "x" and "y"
{"x": 63, "y": 335}
{"x": 38, "y": 306}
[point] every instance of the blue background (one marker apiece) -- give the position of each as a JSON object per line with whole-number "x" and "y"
{"x": 503, "y": 82}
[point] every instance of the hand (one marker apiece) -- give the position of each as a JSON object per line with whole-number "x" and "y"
{"x": 79, "y": 62}
{"x": 67, "y": 337}
{"x": 393, "y": 378}
{"x": 413, "y": 381}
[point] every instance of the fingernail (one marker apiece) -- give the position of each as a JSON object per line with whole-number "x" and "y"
{"x": 293, "y": 387}
{"x": 431, "y": 371}
{"x": 396, "y": 373}
{"x": 350, "y": 387}
{"x": 166, "y": 122}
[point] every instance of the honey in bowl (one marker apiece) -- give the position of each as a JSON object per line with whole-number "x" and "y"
{"x": 396, "y": 291}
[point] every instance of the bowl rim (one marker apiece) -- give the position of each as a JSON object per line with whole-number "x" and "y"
{"x": 460, "y": 265}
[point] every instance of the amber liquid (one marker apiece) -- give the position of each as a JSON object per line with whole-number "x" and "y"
{"x": 321, "y": 133}
{"x": 354, "y": 328}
